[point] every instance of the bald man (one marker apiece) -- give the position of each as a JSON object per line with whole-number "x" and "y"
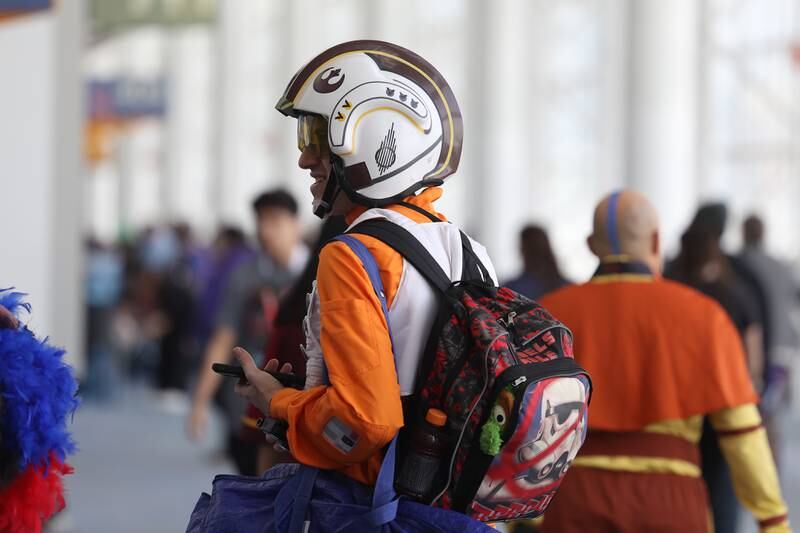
{"x": 661, "y": 356}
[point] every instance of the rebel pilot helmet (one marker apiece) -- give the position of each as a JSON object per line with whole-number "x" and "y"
{"x": 389, "y": 118}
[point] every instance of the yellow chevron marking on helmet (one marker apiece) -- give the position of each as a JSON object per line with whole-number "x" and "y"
{"x": 384, "y": 108}
{"x": 400, "y": 59}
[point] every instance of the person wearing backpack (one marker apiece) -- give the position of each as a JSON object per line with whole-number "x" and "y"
{"x": 379, "y": 130}
{"x": 662, "y": 356}
{"x": 406, "y": 326}
{"x": 376, "y": 124}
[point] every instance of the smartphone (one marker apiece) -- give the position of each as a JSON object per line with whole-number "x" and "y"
{"x": 231, "y": 371}
{"x": 236, "y": 371}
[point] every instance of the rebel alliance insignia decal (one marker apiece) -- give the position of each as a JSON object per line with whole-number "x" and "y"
{"x": 386, "y": 155}
{"x": 329, "y": 80}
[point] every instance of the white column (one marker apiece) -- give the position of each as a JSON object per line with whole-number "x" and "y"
{"x": 185, "y": 184}
{"x": 663, "y": 97}
{"x": 68, "y": 175}
{"x": 613, "y": 55}
{"x": 226, "y": 117}
{"x": 174, "y": 125}
{"x": 499, "y": 136}
{"x": 474, "y": 169}
{"x": 242, "y": 107}
{"x": 41, "y": 102}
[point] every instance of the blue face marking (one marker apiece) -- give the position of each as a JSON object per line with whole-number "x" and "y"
{"x": 613, "y": 237}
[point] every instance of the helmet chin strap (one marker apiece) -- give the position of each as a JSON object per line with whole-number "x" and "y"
{"x": 332, "y": 189}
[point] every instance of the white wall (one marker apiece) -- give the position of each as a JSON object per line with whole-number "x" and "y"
{"x": 40, "y": 178}
{"x": 26, "y": 152}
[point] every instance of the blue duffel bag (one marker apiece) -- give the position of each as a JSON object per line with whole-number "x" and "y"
{"x": 292, "y": 498}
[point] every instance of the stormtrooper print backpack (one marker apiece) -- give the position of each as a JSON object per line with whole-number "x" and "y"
{"x": 502, "y": 369}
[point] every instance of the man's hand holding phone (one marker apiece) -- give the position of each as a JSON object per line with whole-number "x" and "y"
{"x": 258, "y": 386}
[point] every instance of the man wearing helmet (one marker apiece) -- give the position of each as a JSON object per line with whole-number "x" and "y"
{"x": 379, "y": 130}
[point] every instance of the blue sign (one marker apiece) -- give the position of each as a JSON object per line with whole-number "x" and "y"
{"x": 126, "y": 98}
{"x": 15, "y": 6}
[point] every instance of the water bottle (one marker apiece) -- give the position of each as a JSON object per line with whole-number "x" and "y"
{"x": 427, "y": 447}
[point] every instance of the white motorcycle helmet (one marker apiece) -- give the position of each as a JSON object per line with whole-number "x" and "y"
{"x": 393, "y": 125}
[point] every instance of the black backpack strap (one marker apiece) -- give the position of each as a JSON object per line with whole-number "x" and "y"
{"x": 418, "y": 209}
{"x": 473, "y": 268}
{"x": 404, "y": 243}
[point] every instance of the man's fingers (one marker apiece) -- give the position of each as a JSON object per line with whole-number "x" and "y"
{"x": 246, "y": 360}
{"x": 272, "y": 366}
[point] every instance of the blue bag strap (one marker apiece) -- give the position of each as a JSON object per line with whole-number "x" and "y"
{"x": 368, "y": 261}
{"x": 384, "y": 486}
{"x": 302, "y": 499}
{"x": 293, "y": 499}
{"x": 384, "y": 498}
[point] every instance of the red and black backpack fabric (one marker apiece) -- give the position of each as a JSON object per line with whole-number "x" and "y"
{"x": 502, "y": 370}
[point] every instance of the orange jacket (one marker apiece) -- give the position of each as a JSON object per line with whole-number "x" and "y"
{"x": 362, "y": 401}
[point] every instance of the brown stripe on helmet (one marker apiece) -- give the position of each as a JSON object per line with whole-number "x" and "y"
{"x": 390, "y": 64}
{"x": 351, "y": 46}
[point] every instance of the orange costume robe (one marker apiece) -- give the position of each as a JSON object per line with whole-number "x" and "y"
{"x": 661, "y": 356}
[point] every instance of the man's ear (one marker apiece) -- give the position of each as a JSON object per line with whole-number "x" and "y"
{"x": 655, "y": 244}
{"x": 590, "y": 243}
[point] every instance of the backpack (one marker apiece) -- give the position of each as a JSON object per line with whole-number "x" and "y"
{"x": 502, "y": 369}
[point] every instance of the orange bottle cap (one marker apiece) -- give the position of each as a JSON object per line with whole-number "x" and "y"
{"x": 436, "y": 417}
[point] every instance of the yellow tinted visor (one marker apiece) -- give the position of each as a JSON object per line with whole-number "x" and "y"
{"x": 312, "y": 133}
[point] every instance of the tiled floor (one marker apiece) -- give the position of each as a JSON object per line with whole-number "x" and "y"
{"x": 135, "y": 471}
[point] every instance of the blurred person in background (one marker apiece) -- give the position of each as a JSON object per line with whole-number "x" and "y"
{"x": 781, "y": 291}
{"x": 138, "y": 323}
{"x": 540, "y": 272}
{"x": 703, "y": 265}
{"x": 248, "y": 308}
{"x": 176, "y": 302}
{"x": 662, "y": 357}
{"x": 228, "y": 250}
{"x": 103, "y": 286}
{"x": 193, "y": 261}
{"x": 156, "y": 254}
{"x": 288, "y": 339}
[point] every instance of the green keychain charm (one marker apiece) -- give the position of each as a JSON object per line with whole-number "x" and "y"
{"x": 491, "y": 440}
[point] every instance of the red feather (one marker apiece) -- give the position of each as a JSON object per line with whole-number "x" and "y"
{"x": 33, "y": 497}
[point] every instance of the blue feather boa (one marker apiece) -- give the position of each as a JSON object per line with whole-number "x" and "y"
{"x": 37, "y": 393}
